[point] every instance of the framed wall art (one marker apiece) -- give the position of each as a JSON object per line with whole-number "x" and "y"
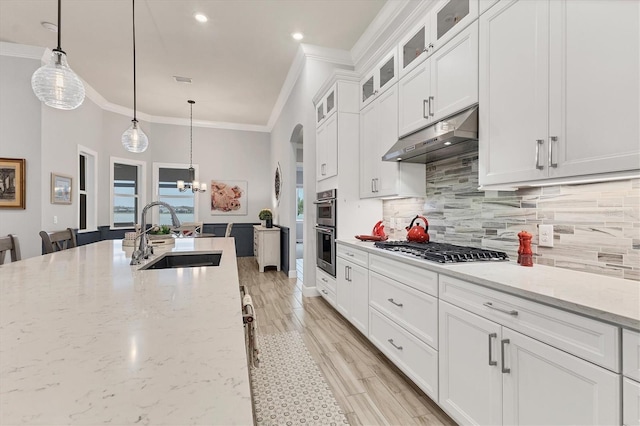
{"x": 229, "y": 197}
{"x": 61, "y": 189}
{"x": 278, "y": 183}
{"x": 12, "y": 183}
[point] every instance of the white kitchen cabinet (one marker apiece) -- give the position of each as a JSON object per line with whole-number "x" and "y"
{"x": 414, "y": 47}
{"x": 378, "y": 132}
{"x": 542, "y": 117}
{"x": 523, "y": 380}
{"x": 447, "y": 82}
{"x": 631, "y": 402}
{"x": 266, "y": 246}
{"x": 379, "y": 79}
{"x": 326, "y": 106}
{"x": 326, "y": 285}
{"x": 327, "y": 148}
{"x": 470, "y": 375}
{"x": 352, "y": 292}
{"x": 448, "y": 18}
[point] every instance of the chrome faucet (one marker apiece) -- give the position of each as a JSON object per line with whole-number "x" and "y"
{"x": 144, "y": 250}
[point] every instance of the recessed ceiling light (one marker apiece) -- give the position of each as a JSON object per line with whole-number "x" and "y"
{"x": 297, "y": 36}
{"x": 49, "y": 26}
{"x": 200, "y": 17}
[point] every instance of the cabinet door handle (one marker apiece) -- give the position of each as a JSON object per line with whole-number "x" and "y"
{"x": 431, "y": 101}
{"x": 502, "y": 344}
{"x": 325, "y": 291}
{"x": 346, "y": 273}
{"x": 424, "y": 107}
{"x": 490, "y": 305}
{"x": 553, "y": 139}
{"x": 395, "y": 303}
{"x": 349, "y": 270}
{"x": 430, "y": 45}
{"x": 376, "y": 179}
{"x": 394, "y": 345}
{"x": 538, "y": 143}
{"x": 372, "y": 190}
{"x": 324, "y": 279}
{"x": 491, "y": 336}
{"x": 349, "y": 254}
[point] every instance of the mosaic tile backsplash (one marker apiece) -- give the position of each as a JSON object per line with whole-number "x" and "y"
{"x": 596, "y": 226}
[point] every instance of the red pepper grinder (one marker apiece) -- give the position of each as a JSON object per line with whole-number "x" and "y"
{"x": 526, "y": 255}
{"x": 520, "y": 246}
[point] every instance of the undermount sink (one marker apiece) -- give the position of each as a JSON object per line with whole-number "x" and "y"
{"x": 185, "y": 260}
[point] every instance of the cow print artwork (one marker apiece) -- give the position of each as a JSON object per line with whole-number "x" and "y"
{"x": 228, "y": 197}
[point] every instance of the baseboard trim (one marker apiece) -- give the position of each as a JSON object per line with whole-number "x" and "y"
{"x": 293, "y": 274}
{"x": 310, "y": 291}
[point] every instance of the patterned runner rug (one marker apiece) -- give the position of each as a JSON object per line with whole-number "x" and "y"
{"x": 288, "y": 386}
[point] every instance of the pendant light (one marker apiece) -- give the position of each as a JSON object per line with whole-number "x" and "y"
{"x": 134, "y": 139}
{"x": 193, "y": 185}
{"x": 55, "y": 84}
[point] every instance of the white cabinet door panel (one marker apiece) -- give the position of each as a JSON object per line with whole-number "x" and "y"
{"x": 387, "y": 135}
{"x": 331, "y": 141}
{"x": 413, "y": 108}
{"x": 359, "y": 314}
{"x": 631, "y": 354}
{"x": 547, "y": 386}
{"x": 514, "y": 40}
{"x": 630, "y": 402}
{"x": 595, "y": 82}
{"x": 454, "y": 74}
{"x": 470, "y": 377}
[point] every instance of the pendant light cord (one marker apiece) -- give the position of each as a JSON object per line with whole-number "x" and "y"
{"x": 59, "y": 25}
{"x": 133, "y": 3}
{"x": 191, "y": 137}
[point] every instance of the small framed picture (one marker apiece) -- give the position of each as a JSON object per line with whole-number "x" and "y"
{"x": 12, "y": 183}
{"x": 61, "y": 189}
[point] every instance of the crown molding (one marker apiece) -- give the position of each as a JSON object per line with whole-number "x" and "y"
{"x": 337, "y": 74}
{"x": 23, "y": 51}
{"x": 325, "y": 54}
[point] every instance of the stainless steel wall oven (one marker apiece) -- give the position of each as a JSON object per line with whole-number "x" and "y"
{"x": 326, "y": 231}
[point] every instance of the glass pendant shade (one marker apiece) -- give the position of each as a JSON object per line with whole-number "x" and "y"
{"x": 134, "y": 139}
{"x": 56, "y": 85}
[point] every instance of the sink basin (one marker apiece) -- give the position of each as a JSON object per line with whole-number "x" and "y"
{"x": 185, "y": 260}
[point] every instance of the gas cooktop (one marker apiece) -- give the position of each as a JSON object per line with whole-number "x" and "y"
{"x": 441, "y": 252}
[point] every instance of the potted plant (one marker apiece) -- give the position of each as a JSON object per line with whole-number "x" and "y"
{"x": 266, "y": 217}
{"x": 160, "y": 232}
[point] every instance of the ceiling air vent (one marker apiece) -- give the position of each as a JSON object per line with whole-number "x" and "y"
{"x": 179, "y": 79}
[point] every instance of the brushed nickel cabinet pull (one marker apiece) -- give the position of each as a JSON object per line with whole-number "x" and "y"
{"x": 394, "y": 345}
{"x": 538, "y": 143}
{"x": 424, "y": 107}
{"x": 502, "y": 344}
{"x": 504, "y": 311}
{"x": 554, "y": 140}
{"x": 325, "y": 291}
{"x": 431, "y": 101}
{"x": 491, "y": 336}
{"x": 324, "y": 279}
{"x": 395, "y": 303}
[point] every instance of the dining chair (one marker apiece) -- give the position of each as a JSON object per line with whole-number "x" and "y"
{"x": 227, "y": 233}
{"x": 9, "y": 244}
{"x": 58, "y": 240}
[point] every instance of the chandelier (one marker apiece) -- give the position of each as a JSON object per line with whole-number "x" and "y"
{"x": 193, "y": 185}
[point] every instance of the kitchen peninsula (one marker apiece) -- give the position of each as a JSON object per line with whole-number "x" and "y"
{"x": 85, "y": 338}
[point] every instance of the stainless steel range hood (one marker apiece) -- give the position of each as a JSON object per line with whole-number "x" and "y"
{"x": 455, "y": 135}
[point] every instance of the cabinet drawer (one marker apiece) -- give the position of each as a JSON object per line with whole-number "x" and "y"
{"x": 359, "y": 257}
{"x": 630, "y": 402}
{"x": 586, "y": 338}
{"x": 326, "y": 292}
{"x": 415, "y": 311}
{"x": 631, "y": 354}
{"x": 418, "y": 361}
{"x": 326, "y": 280}
{"x": 413, "y": 276}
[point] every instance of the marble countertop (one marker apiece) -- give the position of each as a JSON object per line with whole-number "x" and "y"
{"x": 85, "y": 338}
{"x": 613, "y": 300}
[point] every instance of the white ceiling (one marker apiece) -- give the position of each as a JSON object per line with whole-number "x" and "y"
{"x": 238, "y": 60}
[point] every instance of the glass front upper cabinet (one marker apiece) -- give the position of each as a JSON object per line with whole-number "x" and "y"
{"x": 320, "y": 112}
{"x": 414, "y": 47}
{"x": 449, "y": 17}
{"x": 331, "y": 101}
{"x": 367, "y": 89}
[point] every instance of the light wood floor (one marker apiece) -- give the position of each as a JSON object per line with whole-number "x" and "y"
{"x": 368, "y": 387}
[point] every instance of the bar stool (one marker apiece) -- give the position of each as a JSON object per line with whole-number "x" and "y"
{"x": 10, "y": 243}
{"x": 58, "y": 240}
{"x": 228, "y": 231}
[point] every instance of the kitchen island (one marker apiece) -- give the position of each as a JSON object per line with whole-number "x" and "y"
{"x": 85, "y": 338}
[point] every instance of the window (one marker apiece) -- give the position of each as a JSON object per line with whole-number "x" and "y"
{"x": 300, "y": 203}
{"x": 127, "y": 191}
{"x": 87, "y": 190}
{"x": 184, "y": 203}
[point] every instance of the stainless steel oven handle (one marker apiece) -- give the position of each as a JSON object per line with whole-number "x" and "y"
{"x": 329, "y": 202}
{"x": 328, "y": 231}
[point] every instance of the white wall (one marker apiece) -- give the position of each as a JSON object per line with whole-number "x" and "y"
{"x": 48, "y": 139}
{"x": 20, "y": 138}
{"x": 299, "y": 109}
{"x": 221, "y": 155}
